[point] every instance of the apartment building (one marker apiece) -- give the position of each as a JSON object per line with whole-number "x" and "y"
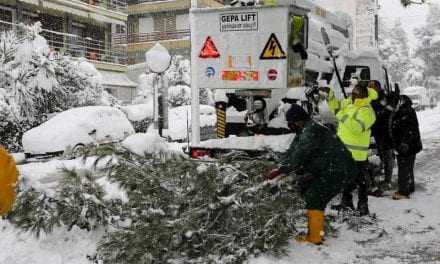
{"x": 166, "y": 21}
{"x": 80, "y": 28}
{"x": 365, "y": 18}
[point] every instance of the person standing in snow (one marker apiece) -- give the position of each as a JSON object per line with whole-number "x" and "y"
{"x": 381, "y": 136}
{"x": 326, "y": 164}
{"x": 8, "y": 180}
{"x": 405, "y": 136}
{"x": 355, "y": 117}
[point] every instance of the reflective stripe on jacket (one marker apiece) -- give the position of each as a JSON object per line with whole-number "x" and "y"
{"x": 354, "y": 122}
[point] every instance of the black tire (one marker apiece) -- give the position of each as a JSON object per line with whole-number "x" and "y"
{"x": 78, "y": 149}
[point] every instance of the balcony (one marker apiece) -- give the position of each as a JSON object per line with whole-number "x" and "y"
{"x": 105, "y": 11}
{"x": 135, "y": 2}
{"x": 116, "y": 5}
{"x": 76, "y": 46}
{"x": 152, "y": 37}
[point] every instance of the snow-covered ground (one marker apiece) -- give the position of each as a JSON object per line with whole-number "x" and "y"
{"x": 404, "y": 231}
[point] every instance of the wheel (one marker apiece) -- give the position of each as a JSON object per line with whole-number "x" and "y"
{"x": 78, "y": 150}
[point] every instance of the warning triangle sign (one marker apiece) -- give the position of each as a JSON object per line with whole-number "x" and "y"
{"x": 209, "y": 50}
{"x": 272, "y": 50}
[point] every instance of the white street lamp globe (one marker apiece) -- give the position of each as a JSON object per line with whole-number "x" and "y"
{"x": 158, "y": 59}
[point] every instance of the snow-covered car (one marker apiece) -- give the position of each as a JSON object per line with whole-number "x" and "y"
{"x": 421, "y": 97}
{"x": 76, "y": 128}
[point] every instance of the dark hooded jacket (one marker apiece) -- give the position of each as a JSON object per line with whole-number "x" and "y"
{"x": 380, "y": 128}
{"x": 404, "y": 128}
{"x": 317, "y": 151}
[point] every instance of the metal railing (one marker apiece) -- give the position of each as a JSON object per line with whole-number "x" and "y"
{"x": 134, "y": 2}
{"x": 150, "y": 37}
{"x": 76, "y": 46}
{"x": 118, "y": 5}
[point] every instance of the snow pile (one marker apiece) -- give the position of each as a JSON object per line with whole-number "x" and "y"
{"x": 138, "y": 112}
{"x": 274, "y": 143}
{"x": 429, "y": 122}
{"x": 177, "y": 120}
{"x": 61, "y": 247}
{"x": 142, "y": 143}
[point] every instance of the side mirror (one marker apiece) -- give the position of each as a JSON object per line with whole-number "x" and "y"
{"x": 299, "y": 48}
{"x": 92, "y": 132}
{"x": 325, "y": 36}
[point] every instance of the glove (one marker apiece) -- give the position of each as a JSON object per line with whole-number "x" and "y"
{"x": 403, "y": 148}
{"x": 272, "y": 174}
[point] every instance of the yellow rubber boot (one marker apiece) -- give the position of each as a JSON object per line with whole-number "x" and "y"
{"x": 8, "y": 180}
{"x": 316, "y": 226}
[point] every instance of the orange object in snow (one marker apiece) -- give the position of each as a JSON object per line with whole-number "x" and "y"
{"x": 209, "y": 50}
{"x": 8, "y": 180}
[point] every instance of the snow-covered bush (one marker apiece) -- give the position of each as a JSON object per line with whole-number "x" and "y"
{"x": 179, "y": 76}
{"x": 179, "y": 72}
{"x": 144, "y": 90}
{"x": 394, "y": 51}
{"x": 78, "y": 201}
{"x": 427, "y": 51}
{"x": 35, "y": 83}
{"x": 179, "y": 95}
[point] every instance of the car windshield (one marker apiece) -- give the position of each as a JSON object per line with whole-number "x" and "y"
{"x": 355, "y": 71}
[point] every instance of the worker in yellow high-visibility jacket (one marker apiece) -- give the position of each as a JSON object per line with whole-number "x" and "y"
{"x": 8, "y": 180}
{"x": 355, "y": 117}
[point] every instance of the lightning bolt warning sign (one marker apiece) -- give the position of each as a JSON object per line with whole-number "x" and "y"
{"x": 272, "y": 50}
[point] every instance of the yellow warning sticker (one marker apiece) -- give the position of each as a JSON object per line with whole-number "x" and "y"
{"x": 272, "y": 50}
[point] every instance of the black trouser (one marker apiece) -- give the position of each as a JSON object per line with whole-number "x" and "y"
{"x": 387, "y": 159}
{"x": 361, "y": 183}
{"x": 406, "y": 174}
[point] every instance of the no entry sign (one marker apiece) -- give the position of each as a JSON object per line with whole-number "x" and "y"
{"x": 272, "y": 74}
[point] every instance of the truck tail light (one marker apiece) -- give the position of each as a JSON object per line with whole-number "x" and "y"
{"x": 200, "y": 153}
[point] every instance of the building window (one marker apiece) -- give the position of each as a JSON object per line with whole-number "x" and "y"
{"x": 28, "y": 18}
{"x": 164, "y": 23}
{"x": 5, "y": 16}
{"x": 182, "y": 22}
{"x": 121, "y": 29}
{"x": 146, "y": 25}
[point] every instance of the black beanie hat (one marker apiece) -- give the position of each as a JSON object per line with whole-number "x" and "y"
{"x": 296, "y": 113}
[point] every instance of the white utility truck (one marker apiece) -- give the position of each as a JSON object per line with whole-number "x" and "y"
{"x": 254, "y": 57}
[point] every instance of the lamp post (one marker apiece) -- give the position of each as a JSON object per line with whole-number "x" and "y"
{"x": 158, "y": 60}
